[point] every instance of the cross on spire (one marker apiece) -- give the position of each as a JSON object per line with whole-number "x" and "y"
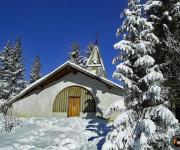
{"x": 96, "y": 34}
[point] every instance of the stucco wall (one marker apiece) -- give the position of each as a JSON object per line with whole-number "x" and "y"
{"x": 40, "y": 103}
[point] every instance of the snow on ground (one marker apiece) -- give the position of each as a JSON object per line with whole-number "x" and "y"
{"x": 56, "y": 134}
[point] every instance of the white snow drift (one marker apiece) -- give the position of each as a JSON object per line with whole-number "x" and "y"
{"x": 50, "y": 134}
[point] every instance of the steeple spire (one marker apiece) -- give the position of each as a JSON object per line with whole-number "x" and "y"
{"x": 95, "y": 63}
{"x": 96, "y": 42}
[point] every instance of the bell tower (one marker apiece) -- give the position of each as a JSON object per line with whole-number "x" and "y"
{"x": 95, "y": 63}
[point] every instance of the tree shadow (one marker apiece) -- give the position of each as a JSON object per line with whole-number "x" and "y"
{"x": 97, "y": 101}
{"x": 100, "y": 126}
{"x": 97, "y": 123}
{"x": 90, "y": 108}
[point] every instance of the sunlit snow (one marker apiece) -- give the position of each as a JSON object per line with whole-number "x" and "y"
{"x": 55, "y": 134}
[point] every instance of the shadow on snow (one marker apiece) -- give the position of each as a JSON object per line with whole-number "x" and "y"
{"x": 100, "y": 126}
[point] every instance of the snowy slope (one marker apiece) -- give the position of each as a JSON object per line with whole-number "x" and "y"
{"x": 51, "y": 134}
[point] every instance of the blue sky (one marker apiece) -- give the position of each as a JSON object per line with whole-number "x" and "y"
{"x": 49, "y": 27}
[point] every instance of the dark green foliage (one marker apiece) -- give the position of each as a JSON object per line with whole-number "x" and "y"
{"x": 89, "y": 49}
{"x": 74, "y": 52}
{"x": 36, "y": 70}
{"x": 166, "y": 22}
{"x": 12, "y": 80}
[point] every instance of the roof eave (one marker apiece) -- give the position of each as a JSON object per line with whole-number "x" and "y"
{"x": 41, "y": 80}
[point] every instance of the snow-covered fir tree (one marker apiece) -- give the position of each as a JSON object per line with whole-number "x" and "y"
{"x": 12, "y": 79}
{"x": 89, "y": 49}
{"x": 18, "y": 69}
{"x": 5, "y": 78}
{"x": 172, "y": 47}
{"x": 172, "y": 69}
{"x": 144, "y": 122}
{"x": 36, "y": 70}
{"x": 165, "y": 15}
{"x": 76, "y": 55}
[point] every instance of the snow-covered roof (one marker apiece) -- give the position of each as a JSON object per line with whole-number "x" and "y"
{"x": 68, "y": 63}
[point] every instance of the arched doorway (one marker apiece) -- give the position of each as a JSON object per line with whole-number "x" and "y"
{"x": 73, "y": 100}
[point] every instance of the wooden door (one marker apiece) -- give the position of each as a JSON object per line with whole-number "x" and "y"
{"x": 73, "y": 106}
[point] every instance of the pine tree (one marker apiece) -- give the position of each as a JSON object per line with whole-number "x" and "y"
{"x": 76, "y": 55}
{"x": 5, "y": 78}
{"x": 146, "y": 123}
{"x": 172, "y": 48}
{"x": 17, "y": 69}
{"x": 89, "y": 49}
{"x": 165, "y": 15}
{"x": 12, "y": 71}
{"x": 36, "y": 70}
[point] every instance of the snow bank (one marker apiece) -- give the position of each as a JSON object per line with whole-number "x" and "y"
{"x": 50, "y": 134}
